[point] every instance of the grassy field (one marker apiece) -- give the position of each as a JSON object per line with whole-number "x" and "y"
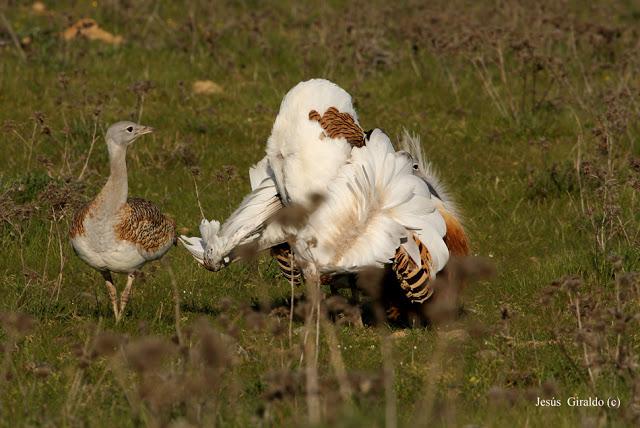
{"x": 530, "y": 112}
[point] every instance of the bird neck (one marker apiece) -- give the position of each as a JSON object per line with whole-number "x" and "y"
{"x": 115, "y": 191}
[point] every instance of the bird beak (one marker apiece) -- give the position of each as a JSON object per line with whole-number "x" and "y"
{"x": 145, "y": 130}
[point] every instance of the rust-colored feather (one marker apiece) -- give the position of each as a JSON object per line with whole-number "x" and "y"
{"x": 336, "y": 125}
{"x": 77, "y": 224}
{"x": 143, "y": 224}
{"x": 456, "y": 239}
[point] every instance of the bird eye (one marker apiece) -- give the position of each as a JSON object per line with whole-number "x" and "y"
{"x": 415, "y": 166}
{"x": 130, "y": 129}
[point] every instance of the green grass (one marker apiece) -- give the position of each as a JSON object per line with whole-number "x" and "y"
{"x": 508, "y": 154}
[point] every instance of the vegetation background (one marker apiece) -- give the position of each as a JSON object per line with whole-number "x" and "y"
{"x": 528, "y": 109}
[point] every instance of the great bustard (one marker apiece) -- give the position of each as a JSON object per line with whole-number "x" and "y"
{"x": 380, "y": 208}
{"x": 114, "y": 233}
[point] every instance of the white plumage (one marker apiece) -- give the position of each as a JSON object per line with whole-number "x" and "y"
{"x": 411, "y": 145}
{"x": 248, "y": 223}
{"x": 372, "y": 207}
{"x": 376, "y": 201}
{"x": 302, "y": 158}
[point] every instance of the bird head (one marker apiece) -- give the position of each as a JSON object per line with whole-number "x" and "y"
{"x": 124, "y": 133}
{"x": 215, "y": 246}
{"x": 415, "y": 165}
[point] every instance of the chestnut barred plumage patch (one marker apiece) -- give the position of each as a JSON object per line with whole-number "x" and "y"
{"x": 284, "y": 257}
{"x": 143, "y": 224}
{"x": 415, "y": 280}
{"x": 77, "y": 224}
{"x": 336, "y": 125}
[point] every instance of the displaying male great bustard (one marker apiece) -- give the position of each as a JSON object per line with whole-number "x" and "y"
{"x": 114, "y": 233}
{"x": 379, "y": 208}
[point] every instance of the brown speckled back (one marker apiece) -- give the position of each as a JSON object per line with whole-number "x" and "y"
{"x": 143, "y": 224}
{"x": 336, "y": 124}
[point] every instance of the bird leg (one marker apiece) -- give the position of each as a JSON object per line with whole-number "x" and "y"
{"x": 111, "y": 289}
{"x": 124, "y": 297}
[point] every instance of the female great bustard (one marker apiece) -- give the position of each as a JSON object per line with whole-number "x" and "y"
{"x": 380, "y": 206}
{"x": 114, "y": 233}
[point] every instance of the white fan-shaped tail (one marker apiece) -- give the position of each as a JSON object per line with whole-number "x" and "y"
{"x": 375, "y": 205}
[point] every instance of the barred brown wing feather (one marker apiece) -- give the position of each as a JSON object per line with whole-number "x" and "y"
{"x": 336, "y": 125}
{"x": 415, "y": 280}
{"x": 143, "y": 224}
{"x": 284, "y": 257}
